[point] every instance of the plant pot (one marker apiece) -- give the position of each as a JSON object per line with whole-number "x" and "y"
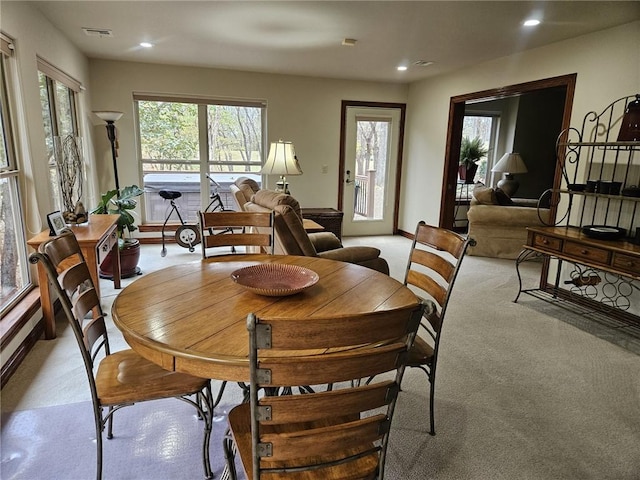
{"x": 467, "y": 172}
{"x": 129, "y": 258}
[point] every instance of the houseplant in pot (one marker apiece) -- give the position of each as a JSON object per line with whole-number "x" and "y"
{"x": 471, "y": 150}
{"x": 123, "y": 205}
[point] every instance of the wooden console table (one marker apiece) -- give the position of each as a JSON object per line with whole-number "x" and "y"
{"x": 97, "y": 238}
{"x": 619, "y": 258}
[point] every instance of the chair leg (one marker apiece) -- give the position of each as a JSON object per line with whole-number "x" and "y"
{"x": 207, "y": 414}
{"x": 110, "y": 424}
{"x": 99, "y": 429}
{"x": 229, "y": 456}
{"x": 432, "y": 392}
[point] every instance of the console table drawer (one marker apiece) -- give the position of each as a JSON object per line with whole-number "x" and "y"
{"x": 105, "y": 246}
{"x": 546, "y": 242}
{"x": 627, "y": 263}
{"x": 584, "y": 252}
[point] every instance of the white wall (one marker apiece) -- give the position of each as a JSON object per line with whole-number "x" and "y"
{"x": 608, "y": 67}
{"x": 303, "y": 110}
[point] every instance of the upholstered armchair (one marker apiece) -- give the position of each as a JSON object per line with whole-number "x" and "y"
{"x": 292, "y": 239}
{"x": 499, "y": 224}
{"x": 243, "y": 189}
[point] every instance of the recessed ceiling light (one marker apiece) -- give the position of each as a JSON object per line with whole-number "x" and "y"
{"x": 401, "y": 68}
{"x": 146, "y": 44}
{"x": 531, "y": 23}
{"x": 422, "y": 63}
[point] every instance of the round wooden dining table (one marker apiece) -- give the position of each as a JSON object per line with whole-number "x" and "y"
{"x": 191, "y": 318}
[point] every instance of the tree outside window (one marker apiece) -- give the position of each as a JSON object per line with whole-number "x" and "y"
{"x": 180, "y": 141}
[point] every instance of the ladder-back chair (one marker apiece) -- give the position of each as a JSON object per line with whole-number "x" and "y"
{"x": 117, "y": 379}
{"x": 335, "y": 433}
{"x": 434, "y": 262}
{"x": 256, "y": 230}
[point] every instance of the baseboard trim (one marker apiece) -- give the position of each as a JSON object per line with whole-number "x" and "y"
{"x": 11, "y": 366}
{"x": 405, "y": 234}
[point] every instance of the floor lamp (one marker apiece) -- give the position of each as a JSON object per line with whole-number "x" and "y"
{"x": 111, "y": 118}
{"x": 281, "y": 161}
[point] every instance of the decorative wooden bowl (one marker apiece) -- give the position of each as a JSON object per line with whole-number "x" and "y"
{"x": 275, "y": 279}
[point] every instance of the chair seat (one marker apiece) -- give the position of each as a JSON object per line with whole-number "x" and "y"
{"x": 420, "y": 353}
{"x": 240, "y": 425}
{"x": 126, "y": 377}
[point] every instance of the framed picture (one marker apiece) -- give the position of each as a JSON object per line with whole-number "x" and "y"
{"x": 56, "y": 223}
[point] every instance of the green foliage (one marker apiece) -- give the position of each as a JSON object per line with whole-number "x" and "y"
{"x": 170, "y": 136}
{"x": 110, "y": 203}
{"x": 472, "y": 150}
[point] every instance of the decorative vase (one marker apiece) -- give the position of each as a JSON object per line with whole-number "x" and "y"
{"x": 467, "y": 172}
{"x": 129, "y": 258}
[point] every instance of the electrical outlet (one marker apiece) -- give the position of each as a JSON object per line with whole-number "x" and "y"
{"x": 325, "y": 168}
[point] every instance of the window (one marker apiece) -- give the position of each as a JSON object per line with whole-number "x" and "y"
{"x": 14, "y": 273}
{"x": 59, "y": 115}
{"x": 485, "y": 127}
{"x": 184, "y": 140}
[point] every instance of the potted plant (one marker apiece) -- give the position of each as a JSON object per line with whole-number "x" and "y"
{"x": 471, "y": 151}
{"x": 123, "y": 204}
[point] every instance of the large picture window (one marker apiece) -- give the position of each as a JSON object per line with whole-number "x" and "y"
{"x": 485, "y": 127}
{"x": 184, "y": 142}
{"x": 59, "y": 116}
{"x": 14, "y": 273}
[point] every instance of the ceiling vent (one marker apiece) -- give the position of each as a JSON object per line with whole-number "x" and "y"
{"x": 97, "y": 32}
{"x": 422, "y": 63}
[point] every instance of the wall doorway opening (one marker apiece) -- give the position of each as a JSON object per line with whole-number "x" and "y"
{"x": 546, "y": 169}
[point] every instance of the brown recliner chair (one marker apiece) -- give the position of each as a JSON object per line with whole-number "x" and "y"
{"x": 292, "y": 239}
{"x": 243, "y": 189}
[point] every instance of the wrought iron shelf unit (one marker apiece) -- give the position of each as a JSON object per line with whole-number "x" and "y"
{"x": 592, "y": 156}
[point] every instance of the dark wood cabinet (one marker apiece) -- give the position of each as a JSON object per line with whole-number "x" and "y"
{"x": 329, "y": 218}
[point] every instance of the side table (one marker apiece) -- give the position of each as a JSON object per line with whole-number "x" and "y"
{"x": 329, "y": 218}
{"x": 97, "y": 238}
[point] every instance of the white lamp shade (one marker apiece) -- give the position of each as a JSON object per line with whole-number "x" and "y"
{"x": 510, "y": 163}
{"x": 281, "y": 160}
{"x": 109, "y": 115}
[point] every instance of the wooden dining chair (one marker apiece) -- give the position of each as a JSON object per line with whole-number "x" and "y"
{"x": 434, "y": 262}
{"x": 250, "y": 230}
{"x": 320, "y": 434}
{"x": 116, "y": 379}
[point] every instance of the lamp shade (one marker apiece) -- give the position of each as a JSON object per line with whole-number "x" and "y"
{"x": 510, "y": 163}
{"x": 109, "y": 115}
{"x": 281, "y": 160}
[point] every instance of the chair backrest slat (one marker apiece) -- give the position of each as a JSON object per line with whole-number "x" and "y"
{"x": 254, "y": 229}
{"x": 303, "y": 334}
{"x": 299, "y": 408}
{"x": 333, "y": 367}
{"x": 354, "y": 436}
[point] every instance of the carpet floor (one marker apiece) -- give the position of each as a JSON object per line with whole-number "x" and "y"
{"x": 160, "y": 440}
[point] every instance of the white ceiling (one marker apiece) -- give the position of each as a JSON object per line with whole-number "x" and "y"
{"x": 304, "y": 37}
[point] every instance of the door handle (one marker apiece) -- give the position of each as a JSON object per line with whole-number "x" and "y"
{"x": 348, "y": 181}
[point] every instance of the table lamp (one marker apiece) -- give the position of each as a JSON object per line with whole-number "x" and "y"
{"x": 281, "y": 161}
{"x": 111, "y": 118}
{"x": 509, "y": 164}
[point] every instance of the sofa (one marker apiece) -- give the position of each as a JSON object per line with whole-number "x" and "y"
{"x": 498, "y": 224}
{"x": 292, "y": 239}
